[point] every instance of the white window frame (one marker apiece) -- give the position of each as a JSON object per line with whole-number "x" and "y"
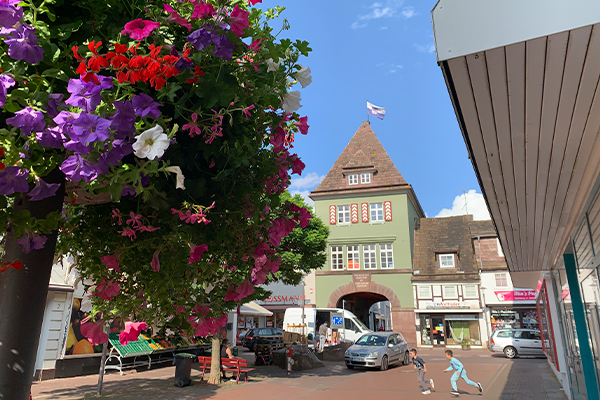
{"x": 472, "y": 287}
{"x": 388, "y": 250}
{"x": 421, "y": 291}
{"x": 503, "y": 277}
{"x": 353, "y": 179}
{"x": 445, "y": 256}
{"x": 370, "y": 256}
{"x": 447, "y": 295}
{"x": 376, "y": 210}
{"x": 500, "y": 252}
{"x": 337, "y": 258}
{"x": 343, "y": 215}
{"x": 365, "y": 177}
{"x": 353, "y": 254}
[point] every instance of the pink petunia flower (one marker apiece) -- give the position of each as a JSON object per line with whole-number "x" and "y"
{"x": 297, "y": 165}
{"x": 130, "y": 233}
{"x": 238, "y": 20}
{"x": 253, "y": 2}
{"x": 203, "y": 11}
{"x": 139, "y": 29}
{"x": 246, "y": 110}
{"x": 131, "y": 332}
{"x": 244, "y": 290}
{"x": 107, "y": 289}
{"x": 94, "y": 332}
{"x": 302, "y": 125}
{"x": 175, "y": 17}
{"x": 155, "y": 263}
{"x": 196, "y": 253}
{"x": 112, "y": 262}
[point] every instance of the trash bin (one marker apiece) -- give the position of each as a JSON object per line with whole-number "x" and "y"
{"x": 183, "y": 369}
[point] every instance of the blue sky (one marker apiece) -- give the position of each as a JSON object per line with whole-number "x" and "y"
{"x": 381, "y": 51}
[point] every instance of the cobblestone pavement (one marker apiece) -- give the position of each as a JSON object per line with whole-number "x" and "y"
{"x": 502, "y": 379}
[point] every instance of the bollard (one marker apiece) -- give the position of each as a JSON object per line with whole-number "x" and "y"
{"x": 289, "y": 353}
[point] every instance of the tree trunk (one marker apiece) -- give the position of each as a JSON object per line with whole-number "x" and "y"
{"x": 23, "y": 298}
{"x": 215, "y": 366}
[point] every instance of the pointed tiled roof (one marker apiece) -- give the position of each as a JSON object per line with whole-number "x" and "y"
{"x": 364, "y": 153}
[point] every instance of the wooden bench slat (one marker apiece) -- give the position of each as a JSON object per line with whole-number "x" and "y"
{"x": 237, "y": 365}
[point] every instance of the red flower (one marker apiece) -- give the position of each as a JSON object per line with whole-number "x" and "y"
{"x": 197, "y": 72}
{"x": 76, "y": 54}
{"x": 170, "y": 63}
{"x": 97, "y": 61}
{"x": 117, "y": 59}
{"x": 18, "y": 264}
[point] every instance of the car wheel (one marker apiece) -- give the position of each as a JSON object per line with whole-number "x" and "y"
{"x": 406, "y": 360}
{"x": 510, "y": 352}
{"x": 384, "y": 363}
{"x": 350, "y": 366}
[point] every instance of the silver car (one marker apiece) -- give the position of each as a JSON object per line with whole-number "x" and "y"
{"x": 377, "y": 350}
{"x": 514, "y": 342}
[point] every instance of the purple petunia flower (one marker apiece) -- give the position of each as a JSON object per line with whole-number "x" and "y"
{"x": 127, "y": 191}
{"x": 90, "y": 128}
{"x": 22, "y": 45}
{"x": 200, "y": 38}
{"x": 123, "y": 120}
{"x": 223, "y": 47}
{"x": 85, "y": 95}
{"x": 52, "y": 137}
{"x": 32, "y": 241}
{"x": 9, "y": 14}
{"x": 54, "y": 102}
{"x": 6, "y": 81}
{"x": 43, "y": 190}
{"x": 145, "y": 105}
{"x": 77, "y": 169}
{"x": 13, "y": 179}
{"x": 78, "y": 147}
{"x": 28, "y": 120}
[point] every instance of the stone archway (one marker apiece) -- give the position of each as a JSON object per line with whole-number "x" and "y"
{"x": 403, "y": 320}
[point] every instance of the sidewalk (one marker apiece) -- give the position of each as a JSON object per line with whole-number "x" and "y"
{"x": 502, "y": 379}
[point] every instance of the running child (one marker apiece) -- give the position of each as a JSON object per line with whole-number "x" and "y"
{"x": 419, "y": 365}
{"x": 459, "y": 372}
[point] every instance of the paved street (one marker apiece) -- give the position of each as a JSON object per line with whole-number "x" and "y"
{"x": 502, "y": 379}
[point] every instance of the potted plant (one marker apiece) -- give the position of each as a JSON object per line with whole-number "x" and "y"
{"x": 465, "y": 344}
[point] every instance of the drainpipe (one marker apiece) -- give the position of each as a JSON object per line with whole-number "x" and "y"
{"x": 482, "y": 288}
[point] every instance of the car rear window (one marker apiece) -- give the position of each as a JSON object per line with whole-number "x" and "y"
{"x": 504, "y": 334}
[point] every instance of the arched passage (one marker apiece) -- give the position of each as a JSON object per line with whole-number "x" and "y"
{"x": 360, "y": 305}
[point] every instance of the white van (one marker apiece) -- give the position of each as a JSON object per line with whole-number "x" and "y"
{"x": 292, "y": 322}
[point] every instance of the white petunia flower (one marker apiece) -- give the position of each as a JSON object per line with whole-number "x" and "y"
{"x": 291, "y": 101}
{"x": 180, "y": 178}
{"x": 303, "y": 76}
{"x": 151, "y": 143}
{"x": 272, "y": 66}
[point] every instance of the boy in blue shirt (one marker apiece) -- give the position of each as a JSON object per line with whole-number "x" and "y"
{"x": 459, "y": 372}
{"x": 419, "y": 365}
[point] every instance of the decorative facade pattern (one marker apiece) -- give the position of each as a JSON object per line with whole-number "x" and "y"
{"x": 354, "y": 213}
{"x": 332, "y": 215}
{"x": 364, "y": 210}
{"x": 387, "y": 210}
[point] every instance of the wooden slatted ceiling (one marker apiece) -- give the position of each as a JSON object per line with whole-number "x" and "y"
{"x": 531, "y": 116}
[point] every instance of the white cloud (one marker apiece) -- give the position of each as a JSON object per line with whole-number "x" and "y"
{"x": 425, "y": 49}
{"x": 306, "y": 182}
{"x": 383, "y": 28}
{"x": 392, "y": 8}
{"x": 470, "y": 202}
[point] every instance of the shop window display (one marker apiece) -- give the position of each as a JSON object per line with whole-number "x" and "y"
{"x": 425, "y": 330}
{"x": 507, "y": 318}
{"x": 457, "y": 330}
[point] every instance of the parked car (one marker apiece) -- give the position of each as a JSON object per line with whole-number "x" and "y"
{"x": 515, "y": 342}
{"x": 378, "y": 350}
{"x": 253, "y": 334}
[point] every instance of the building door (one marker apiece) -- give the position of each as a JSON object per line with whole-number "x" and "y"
{"x": 437, "y": 330}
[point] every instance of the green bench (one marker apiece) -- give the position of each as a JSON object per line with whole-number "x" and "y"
{"x": 136, "y": 349}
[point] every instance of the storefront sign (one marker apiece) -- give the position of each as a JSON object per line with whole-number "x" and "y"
{"x": 433, "y": 305}
{"x": 460, "y": 317}
{"x": 361, "y": 281}
{"x": 516, "y": 295}
{"x": 283, "y": 295}
{"x": 283, "y": 299}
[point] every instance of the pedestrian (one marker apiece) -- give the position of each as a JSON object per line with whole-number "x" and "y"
{"x": 225, "y": 353}
{"x": 322, "y": 336}
{"x": 459, "y": 372}
{"x": 419, "y": 365}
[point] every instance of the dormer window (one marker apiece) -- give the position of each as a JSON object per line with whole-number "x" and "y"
{"x": 447, "y": 261}
{"x": 365, "y": 178}
{"x": 353, "y": 179}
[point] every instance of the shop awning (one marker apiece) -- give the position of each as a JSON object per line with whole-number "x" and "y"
{"x": 523, "y": 79}
{"x": 254, "y": 309}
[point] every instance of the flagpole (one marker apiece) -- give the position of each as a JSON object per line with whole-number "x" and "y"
{"x": 368, "y": 115}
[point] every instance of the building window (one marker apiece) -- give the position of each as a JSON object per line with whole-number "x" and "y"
{"x": 500, "y": 252}
{"x": 353, "y": 179}
{"x": 370, "y": 256}
{"x": 470, "y": 291}
{"x": 424, "y": 292}
{"x": 337, "y": 257}
{"x": 446, "y": 261}
{"x": 365, "y": 178}
{"x": 377, "y": 212}
{"x": 387, "y": 256}
{"x": 501, "y": 280}
{"x": 449, "y": 292}
{"x": 343, "y": 214}
{"x": 353, "y": 257}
